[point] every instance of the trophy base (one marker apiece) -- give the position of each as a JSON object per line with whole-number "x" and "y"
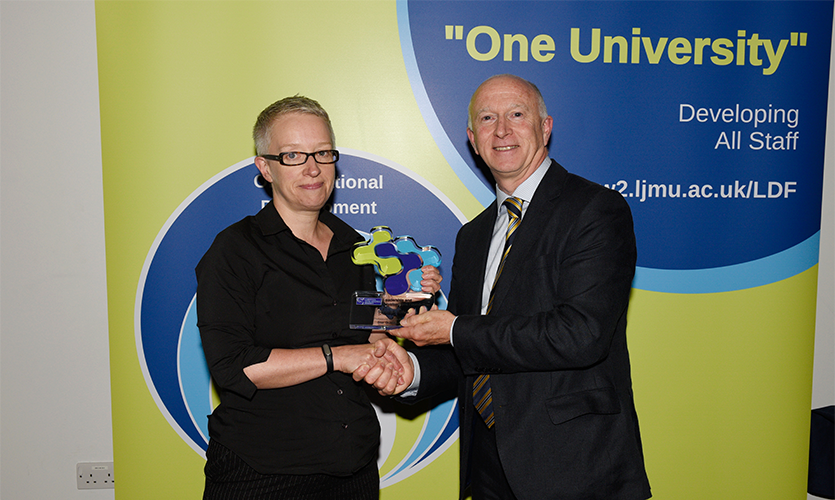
{"x": 378, "y": 311}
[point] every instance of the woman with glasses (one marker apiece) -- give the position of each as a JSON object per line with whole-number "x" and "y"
{"x": 273, "y": 305}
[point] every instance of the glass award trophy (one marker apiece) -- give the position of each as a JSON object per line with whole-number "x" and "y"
{"x": 398, "y": 261}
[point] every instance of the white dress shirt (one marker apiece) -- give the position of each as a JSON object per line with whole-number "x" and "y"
{"x": 525, "y": 192}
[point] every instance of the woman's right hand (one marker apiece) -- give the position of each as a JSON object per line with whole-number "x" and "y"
{"x": 393, "y": 372}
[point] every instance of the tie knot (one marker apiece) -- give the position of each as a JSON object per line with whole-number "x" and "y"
{"x": 514, "y": 207}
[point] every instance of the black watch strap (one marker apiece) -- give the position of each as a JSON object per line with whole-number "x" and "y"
{"x": 326, "y": 350}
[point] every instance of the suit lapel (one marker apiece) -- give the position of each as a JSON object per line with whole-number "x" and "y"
{"x": 536, "y": 218}
{"x": 484, "y": 232}
{"x": 475, "y": 246}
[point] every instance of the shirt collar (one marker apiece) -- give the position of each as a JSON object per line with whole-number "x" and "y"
{"x": 526, "y": 190}
{"x": 270, "y": 222}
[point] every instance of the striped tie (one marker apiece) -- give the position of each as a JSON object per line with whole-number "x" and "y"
{"x": 482, "y": 394}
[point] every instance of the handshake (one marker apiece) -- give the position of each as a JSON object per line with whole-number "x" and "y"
{"x": 383, "y": 364}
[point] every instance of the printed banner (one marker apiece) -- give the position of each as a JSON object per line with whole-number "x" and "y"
{"x": 694, "y": 111}
{"x": 708, "y": 117}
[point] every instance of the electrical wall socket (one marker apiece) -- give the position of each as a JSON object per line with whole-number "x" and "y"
{"x": 94, "y": 475}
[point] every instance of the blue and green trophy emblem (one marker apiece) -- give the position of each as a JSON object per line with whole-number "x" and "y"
{"x": 399, "y": 262}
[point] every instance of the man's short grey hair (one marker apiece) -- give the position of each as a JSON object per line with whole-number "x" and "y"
{"x": 261, "y": 133}
{"x": 543, "y": 111}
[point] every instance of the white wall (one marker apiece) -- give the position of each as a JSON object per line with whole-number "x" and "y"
{"x": 823, "y": 385}
{"x": 54, "y": 358}
{"x": 54, "y": 371}
{"x": 823, "y": 389}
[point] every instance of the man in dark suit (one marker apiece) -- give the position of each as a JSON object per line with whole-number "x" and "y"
{"x": 556, "y": 417}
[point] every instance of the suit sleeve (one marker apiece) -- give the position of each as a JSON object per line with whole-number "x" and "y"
{"x": 570, "y": 296}
{"x": 439, "y": 374}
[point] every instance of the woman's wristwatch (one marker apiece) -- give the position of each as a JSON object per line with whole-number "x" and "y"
{"x": 326, "y": 350}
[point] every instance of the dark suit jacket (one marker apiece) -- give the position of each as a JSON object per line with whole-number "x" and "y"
{"x": 554, "y": 344}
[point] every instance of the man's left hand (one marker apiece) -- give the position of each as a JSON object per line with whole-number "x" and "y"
{"x": 430, "y": 280}
{"x": 427, "y": 328}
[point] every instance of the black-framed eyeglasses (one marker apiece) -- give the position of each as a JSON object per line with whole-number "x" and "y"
{"x": 294, "y": 158}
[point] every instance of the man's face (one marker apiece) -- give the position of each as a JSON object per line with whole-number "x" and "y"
{"x": 507, "y": 131}
{"x": 304, "y": 187}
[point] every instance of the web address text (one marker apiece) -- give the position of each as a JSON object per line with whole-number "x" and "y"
{"x": 644, "y": 190}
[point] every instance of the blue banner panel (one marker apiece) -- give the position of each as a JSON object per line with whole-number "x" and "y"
{"x": 709, "y": 117}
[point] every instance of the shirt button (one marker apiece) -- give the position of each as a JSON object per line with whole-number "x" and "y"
{"x": 344, "y": 426}
{"x": 334, "y": 302}
{"x": 334, "y": 335}
{"x": 339, "y": 391}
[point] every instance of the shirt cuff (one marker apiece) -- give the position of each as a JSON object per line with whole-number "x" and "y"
{"x": 450, "y": 330}
{"x": 413, "y": 387}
